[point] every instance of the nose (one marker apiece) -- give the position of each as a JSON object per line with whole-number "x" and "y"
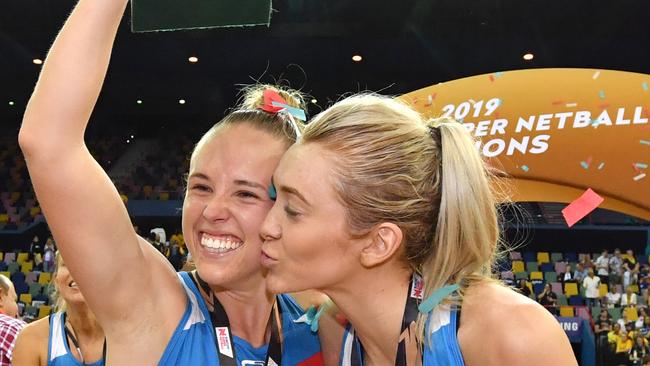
{"x": 271, "y": 229}
{"x": 216, "y": 209}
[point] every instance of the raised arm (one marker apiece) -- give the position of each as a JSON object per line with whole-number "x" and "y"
{"x": 110, "y": 263}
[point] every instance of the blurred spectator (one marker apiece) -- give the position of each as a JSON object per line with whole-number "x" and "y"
{"x": 176, "y": 254}
{"x": 591, "y": 284}
{"x": 49, "y": 256}
{"x": 154, "y": 239}
{"x": 602, "y": 327}
{"x": 567, "y": 276}
{"x": 548, "y": 299}
{"x": 9, "y": 325}
{"x": 580, "y": 273}
{"x": 629, "y": 298}
{"x": 623, "y": 347}
{"x": 523, "y": 287}
{"x": 631, "y": 269}
{"x": 602, "y": 266}
{"x": 615, "y": 267}
{"x": 613, "y": 298}
{"x": 639, "y": 351}
{"x": 35, "y": 248}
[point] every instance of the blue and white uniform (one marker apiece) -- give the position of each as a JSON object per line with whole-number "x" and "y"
{"x": 58, "y": 350}
{"x": 193, "y": 341}
{"x": 441, "y": 350}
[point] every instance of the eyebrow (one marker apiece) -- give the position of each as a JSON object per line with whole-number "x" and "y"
{"x": 239, "y": 182}
{"x": 295, "y": 192}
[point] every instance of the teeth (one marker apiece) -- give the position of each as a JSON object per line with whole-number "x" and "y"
{"x": 220, "y": 244}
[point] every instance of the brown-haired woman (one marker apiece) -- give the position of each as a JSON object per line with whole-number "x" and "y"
{"x": 221, "y": 314}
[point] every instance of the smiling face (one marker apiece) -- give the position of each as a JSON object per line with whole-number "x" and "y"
{"x": 66, "y": 285}
{"x": 226, "y": 202}
{"x": 306, "y": 241}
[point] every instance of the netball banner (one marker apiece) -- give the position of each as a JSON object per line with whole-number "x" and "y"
{"x": 556, "y": 132}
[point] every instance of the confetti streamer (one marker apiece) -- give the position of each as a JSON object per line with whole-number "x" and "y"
{"x": 525, "y": 168}
{"x": 644, "y": 85}
{"x": 492, "y": 78}
{"x": 571, "y": 105}
{"x": 641, "y": 165}
{"x": 430, "y": 99}
{"x": 601, "y": 94}
{"x": 498, "y": 74}
{"x": 584, "y": 165}
{"x": 644, "y": 142}
{"x": 601, "y": 166}
{"x": 581, "y": 207}
{"x": 639, "y": 177}
{"x": 596, "y": 75}
{"x": 557, "y": 102}
{"x": 604, "y": 106}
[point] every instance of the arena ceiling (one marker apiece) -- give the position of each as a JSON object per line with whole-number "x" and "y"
{"x": 405, "y": 45}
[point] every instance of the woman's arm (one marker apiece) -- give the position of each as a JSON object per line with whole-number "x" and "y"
{"x": 31, "y": 344}
{"x": 111, "y": 264}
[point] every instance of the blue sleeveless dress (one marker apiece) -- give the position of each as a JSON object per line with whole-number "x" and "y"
{"x": 58, "y": 350}
{"x": 193, "y": 342}
{"x": 442, "y": 349}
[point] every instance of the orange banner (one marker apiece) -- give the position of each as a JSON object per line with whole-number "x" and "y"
{"x": 557, "y": 132}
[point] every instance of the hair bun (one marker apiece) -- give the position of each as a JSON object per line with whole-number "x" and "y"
{"x": 253, "y": 96}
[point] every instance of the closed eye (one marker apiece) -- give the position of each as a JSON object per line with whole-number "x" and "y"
{"x": 247, "y": 194}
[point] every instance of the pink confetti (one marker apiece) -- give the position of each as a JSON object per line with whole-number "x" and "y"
{"x": 581, "y": 207}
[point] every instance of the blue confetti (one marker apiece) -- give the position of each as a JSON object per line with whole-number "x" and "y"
{"x": 601, "y": 94}
{"x": 644, "y": 85}
{"x": 525, "y": 168}
{"x": 644, "y": 142}
{"x": 584, "y": 165}
{"x": 273, "y": 194}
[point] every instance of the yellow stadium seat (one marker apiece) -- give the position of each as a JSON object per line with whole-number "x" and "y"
{"x": 15, "y": 196}
{"x": 1, "y": 255}
{"x": 164, "y": 196}
{"x": 44, "y": 311}
{"x": 6, "y": 274}
{"x": 543, "y": 257}
{"x": 566, "y": 311}
{"x": 530, "y": 287}
{"x": 602, "y": 290}
{"x": 34, "y": 211}
{"x": 571, "y": 289}
{"x": 536, "y": 276}
{"x": 25, "y": 299}
{"x": 27, "y": 267}
{"x": 44, "y": 278}
{"x": 518, "y": 266}
{"x": 4, "y": 218}
{"x": 22, "y": 258}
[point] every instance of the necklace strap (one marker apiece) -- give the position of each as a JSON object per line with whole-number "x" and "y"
{"x": 223, "y": 333}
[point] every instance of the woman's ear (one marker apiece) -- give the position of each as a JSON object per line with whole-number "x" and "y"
{"x": 383, "y": 243}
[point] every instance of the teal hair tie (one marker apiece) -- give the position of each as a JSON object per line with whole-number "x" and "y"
{"x": 436, "y": 297}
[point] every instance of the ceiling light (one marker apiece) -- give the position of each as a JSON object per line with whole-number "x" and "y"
{"x": 529, "y": 56}
{"x": 138, "y": 101}
{"x": 37, "y": 61}
{"x": 181, "y": 101}
{"x": 314, "y": 101}
{"x": 11, "y": 102}
{"x": 357, "y": 58}
{"x": 193, "y": 59}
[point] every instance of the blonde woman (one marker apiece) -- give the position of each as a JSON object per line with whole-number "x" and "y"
{"x": 220, "y": 314}
{"x": 69, "y": 337}
{"x": 394, "y": 218}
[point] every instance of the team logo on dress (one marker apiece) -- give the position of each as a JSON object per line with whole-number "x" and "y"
{"x": 253, "y": 363}
{"x": 223, "y": 339}
{"x": 417, "y": 287}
